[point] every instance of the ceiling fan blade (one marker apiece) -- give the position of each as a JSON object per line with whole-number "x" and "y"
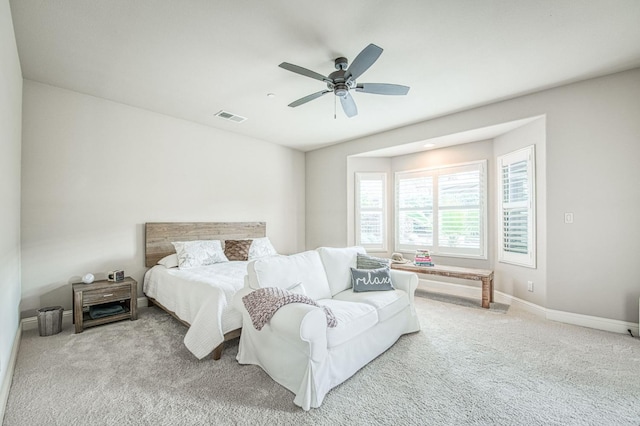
{"x": 303, "y": 71}
{"x": 363, "y": 61}
{"x": 383, "y": 88}
{"x": 349, "y": 105}
{"x": 308, "y": 98}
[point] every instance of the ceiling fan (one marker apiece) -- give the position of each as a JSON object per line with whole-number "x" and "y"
{"x": 343, "y": 80}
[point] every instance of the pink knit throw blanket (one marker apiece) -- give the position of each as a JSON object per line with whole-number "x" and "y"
{"x": 263, "y": 303}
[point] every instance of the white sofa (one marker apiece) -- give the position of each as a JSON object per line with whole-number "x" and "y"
{"x": 297, "y": 348}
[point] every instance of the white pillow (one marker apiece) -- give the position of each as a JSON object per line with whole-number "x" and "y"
{"x": 170, "y": 261}
{"x": 283, "y": 271}
{"x": 297, "y": 288}
{"x": 261, "y": 247}
{"x": 337, "y": 263}
{"x": 192, "y": 254}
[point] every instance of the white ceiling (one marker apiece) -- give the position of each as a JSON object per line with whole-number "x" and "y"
{"x": 190, "y": 59}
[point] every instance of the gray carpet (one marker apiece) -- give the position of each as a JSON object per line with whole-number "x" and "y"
{"x": 466, "y": 366}
{"x": 462, "y": 301}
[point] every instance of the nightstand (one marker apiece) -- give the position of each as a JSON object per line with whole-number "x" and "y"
{"x": 100, "y": 292}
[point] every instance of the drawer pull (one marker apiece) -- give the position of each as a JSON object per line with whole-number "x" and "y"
{"x": 107, "y": 295}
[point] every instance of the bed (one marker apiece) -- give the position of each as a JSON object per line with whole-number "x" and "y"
{"x": 199, "y": 297}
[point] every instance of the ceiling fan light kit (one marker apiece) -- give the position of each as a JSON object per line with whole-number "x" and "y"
{"x": 343, "y": 80}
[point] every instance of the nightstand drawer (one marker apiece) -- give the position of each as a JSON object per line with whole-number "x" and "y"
{"x": 92, "y": 297}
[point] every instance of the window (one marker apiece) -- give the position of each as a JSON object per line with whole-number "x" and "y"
{"x": 414, "y": 213}
{"x": 371, "y": 211}
{"x": 516, "y": 204}
{"x": 442, "y": 209}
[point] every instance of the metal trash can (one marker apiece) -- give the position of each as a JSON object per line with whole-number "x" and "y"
{"x": 50, "y": 320}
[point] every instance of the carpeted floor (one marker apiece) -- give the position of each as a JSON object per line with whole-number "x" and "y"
{"x": 466, "y": 366}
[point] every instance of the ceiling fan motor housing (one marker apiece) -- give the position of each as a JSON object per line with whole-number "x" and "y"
{"x": 339, "y": 84}
{"x": 341, "y": 89}
{"x": 341, "y": 63}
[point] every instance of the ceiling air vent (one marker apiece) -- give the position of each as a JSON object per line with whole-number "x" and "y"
{"x": 231, "y": 117}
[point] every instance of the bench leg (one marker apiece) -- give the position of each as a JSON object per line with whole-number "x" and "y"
{"x": 487, "y": 295}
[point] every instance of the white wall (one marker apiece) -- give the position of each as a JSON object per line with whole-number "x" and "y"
{"x": 10, "y": 128}
{"x": 94, "y": 171}
{"x": 592, "y": 151}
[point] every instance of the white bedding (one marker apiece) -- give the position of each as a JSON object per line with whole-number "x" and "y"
{"x": 202, "y": 297}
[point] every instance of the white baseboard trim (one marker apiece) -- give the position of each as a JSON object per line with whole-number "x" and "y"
{"x": 8, "y": 375}
{"x": 598, "y": 323}
{"x": 31, "y": 323}
{"x": 508, "y": 299}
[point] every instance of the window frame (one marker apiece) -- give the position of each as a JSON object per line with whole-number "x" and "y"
{"x": 435, "y": 172}
{"x": 528, "y": 259}
{"x": 382, "y": 176}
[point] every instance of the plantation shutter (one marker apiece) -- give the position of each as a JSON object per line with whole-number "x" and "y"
{"x": 371, "y": 210}
{"x": 415, "y": 210}
{"x": 517, "y": 213}
{"x": 442, "y": 209}
{"x": 459, "y": 204}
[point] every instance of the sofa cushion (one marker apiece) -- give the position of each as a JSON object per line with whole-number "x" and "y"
{"x": 284, "y": 271}
{"x": 337, "y": 263}
{"x": 387, "y": 303}
{"x": 353, "y": 318}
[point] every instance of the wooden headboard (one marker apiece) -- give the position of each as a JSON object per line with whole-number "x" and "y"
{"x": 159, "y": 235}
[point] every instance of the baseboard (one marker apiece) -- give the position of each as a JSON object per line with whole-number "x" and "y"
{"x": 8, "y": 376}
{"x": 31, "y": 323}
{"x": 508, "y": 299}
{"x": 598, "y": 323}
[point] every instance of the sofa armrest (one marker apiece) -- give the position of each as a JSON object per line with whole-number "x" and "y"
{"x": 302, "y": 322}
{"x": 406, "y": 281}
{"x": 295, "y": 322}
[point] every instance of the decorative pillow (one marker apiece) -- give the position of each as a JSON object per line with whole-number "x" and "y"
{"x": 192, "y": 254}
{"x": 261, "y": 247}
{"x": 369, "y": 262}
{"x": 237, "y": 249}
{"x": 170, "y": 261}
{"x": 371, "y": 279}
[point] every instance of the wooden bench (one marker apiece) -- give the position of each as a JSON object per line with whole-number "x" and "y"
{"x": 484, "y": 275}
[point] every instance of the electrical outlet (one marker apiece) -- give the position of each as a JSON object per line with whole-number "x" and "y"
{"x": 530, "y": 285}
{"x": 568, "y": 217}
